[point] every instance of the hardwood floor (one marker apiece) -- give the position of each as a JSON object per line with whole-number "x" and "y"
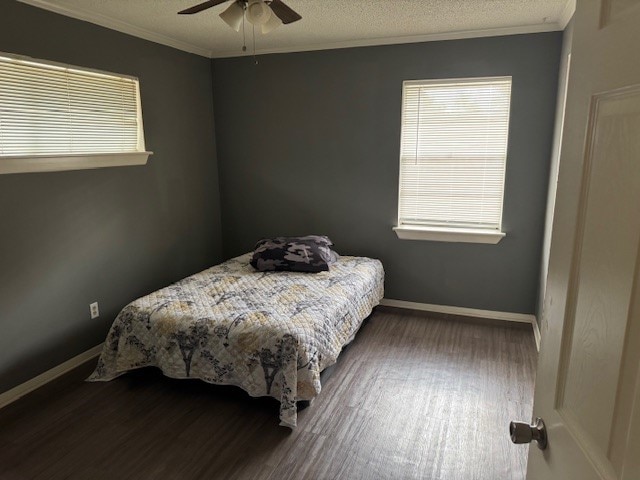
{"x": 411, "y": 398}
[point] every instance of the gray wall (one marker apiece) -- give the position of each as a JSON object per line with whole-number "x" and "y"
{"x": 107, "y": 235}
{"x": 309, "y": 143}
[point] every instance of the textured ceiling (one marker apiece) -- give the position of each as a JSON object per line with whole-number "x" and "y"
{"x": 324, "y": 24}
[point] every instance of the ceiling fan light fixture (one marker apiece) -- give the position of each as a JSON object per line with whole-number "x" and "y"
{"x": 273, "y": 23}
{"x": 232, "y": 16}
{"x": 258, "y": 12}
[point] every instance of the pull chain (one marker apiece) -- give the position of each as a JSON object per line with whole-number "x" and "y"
{"x": 244, "y": 37}
{"x": 255, "y": 59}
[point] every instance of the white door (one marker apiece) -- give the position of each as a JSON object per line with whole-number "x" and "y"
{"x": 588, "y": 383}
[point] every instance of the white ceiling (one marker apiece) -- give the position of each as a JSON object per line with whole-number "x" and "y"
{"x": 325, "y": 23}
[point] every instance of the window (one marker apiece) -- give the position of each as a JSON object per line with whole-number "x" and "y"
{"x": 58, "y": 117}
{"x": 452, "y": 159}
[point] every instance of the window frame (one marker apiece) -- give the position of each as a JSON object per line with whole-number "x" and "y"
{"x": 445, "y": 233}
{"x": 53, "y": 162}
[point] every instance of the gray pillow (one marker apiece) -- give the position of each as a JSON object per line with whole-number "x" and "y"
{"x": 311, "y": 253}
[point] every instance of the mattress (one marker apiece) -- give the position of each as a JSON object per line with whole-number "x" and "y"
{"x": 269, "y": 333}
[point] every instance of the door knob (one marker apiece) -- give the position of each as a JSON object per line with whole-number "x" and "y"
{"x": 522, "y": 432}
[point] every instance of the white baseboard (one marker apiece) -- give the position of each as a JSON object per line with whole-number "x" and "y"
{"x": 468, "y": 312}
{"x": 29, "y": 386}
{"x": 536, "y": 332}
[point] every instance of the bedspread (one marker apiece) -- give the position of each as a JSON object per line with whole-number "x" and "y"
{"x": 270, "y": 333}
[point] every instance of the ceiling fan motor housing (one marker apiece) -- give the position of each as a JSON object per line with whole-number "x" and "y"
{"x": 269, "y": 14}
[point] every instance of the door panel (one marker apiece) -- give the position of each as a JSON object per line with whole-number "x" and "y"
{"x": 614, "y": 9}
{"x": 603, "y": 279}
{"x": 588, "y": 382}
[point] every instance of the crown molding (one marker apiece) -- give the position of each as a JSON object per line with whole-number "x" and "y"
{"x": 124, "y": 27}
{"x": 119, "y": 26}
{"x": 369, "y": 42}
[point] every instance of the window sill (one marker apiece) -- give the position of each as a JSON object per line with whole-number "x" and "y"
{"x": 442, "y": 234}
{"x": 57, "y": 163}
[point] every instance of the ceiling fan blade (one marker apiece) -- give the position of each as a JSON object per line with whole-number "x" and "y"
{"x": 284, "y": 13}
{"x": 201, "y": 6}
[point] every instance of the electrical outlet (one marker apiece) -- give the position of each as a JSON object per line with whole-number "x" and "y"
{"x": 93, "y": 309}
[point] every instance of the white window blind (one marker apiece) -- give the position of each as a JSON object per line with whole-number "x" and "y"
{"x": 50, "y": 110}
{"x": 453, "y": 152}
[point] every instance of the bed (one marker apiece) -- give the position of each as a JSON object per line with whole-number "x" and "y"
{"x": 269, "y": 333}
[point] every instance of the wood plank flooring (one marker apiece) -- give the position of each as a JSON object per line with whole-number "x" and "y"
{"x": 413, "y": 397}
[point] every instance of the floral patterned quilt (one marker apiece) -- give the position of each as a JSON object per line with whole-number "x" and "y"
{"x": 270, "y": 333}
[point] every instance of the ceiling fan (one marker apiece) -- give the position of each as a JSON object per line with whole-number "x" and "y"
{"x": 268, "y": 14}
